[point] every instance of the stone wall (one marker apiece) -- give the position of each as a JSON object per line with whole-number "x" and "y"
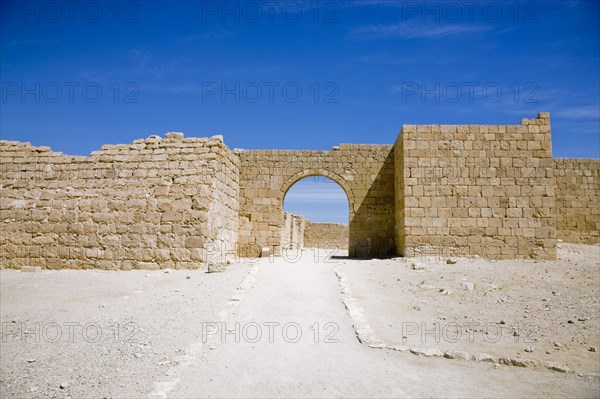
{"x": 298, "y": 226}
{"x": 292, "y": 231}
{"x": 578, "y": 200}
{"x": 486, "y": 190}
{"x": 364, "y": 171}
{"x": 286, "y": 230}
{"x": 155, "y": 203}
{"x": 476, "y": 190}
{"x": 326, "y": 235}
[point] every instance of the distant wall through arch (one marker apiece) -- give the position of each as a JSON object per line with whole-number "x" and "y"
{"x": 364, "y": 171}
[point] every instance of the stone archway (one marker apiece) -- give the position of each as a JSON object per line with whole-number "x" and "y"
{"x": 296, "y": 224}
{"x": 365, "y": 173}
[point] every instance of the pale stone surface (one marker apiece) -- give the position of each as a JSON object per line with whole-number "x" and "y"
{"x": 292, "y": 233}
{"x": 174, "y": 135}
{"x": 326, "y": 235}
{"x": 151, "y": 204}
{"x": 478, "y": 190}
{"x": 578, "y": 200}
{"x": 265, "y": 252}
{"x": 365, "y": 173}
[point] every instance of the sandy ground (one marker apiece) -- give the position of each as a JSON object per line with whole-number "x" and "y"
{"x": 541, "y": 313}
{"x": 280, "y": 329}
{"x": 51, "y": 320}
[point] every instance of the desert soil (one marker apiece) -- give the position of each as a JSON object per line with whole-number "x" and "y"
{"x": 545, "y": 312}
{"x": 285, "y": 328}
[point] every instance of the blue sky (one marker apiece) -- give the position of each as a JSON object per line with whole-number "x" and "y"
{"x": 318, "y": 199}
{"x": 297, "y": 74}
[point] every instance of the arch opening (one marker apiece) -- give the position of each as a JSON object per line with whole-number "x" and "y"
{"x": 316, "y": 214}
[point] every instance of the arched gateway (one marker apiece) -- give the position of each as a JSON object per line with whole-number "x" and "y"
{"x": 488, "y": 190}
{"x": 365, "y": 172}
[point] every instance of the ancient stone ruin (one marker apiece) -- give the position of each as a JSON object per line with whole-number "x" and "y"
{"x": 298, "y": 232}
{"x": 174, "y": 202}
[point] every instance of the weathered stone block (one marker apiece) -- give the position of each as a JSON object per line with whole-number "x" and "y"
{"x": 147, "y": 266}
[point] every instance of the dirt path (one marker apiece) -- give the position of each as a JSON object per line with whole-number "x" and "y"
{"x": 177, "y": 350}
{"x": 308, "y": 292}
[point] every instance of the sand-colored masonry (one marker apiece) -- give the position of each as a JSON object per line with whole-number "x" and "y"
{"x": 577, "y": 200}
{"x": 155, "y": 203}
{"x": 477, "y": 190}
{"x": 178, "y": 202}
{"x": 326, "y": 235}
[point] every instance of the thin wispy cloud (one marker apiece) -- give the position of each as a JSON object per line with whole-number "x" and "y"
{"x": 29, "y": 42}
{"x": 318, "y": 199}
{"x": 218, "y": 34}
{"x": 142, "y": 57}
{"x": 584, "y": 111}
{"x": 183, "y": 89}
{"x": 384, "y": 59}
{"x": 148, "y": 64}
{"x": 312, "y": 197}
{"x": 316, "y": 194}
{"x": 412, "y": 30}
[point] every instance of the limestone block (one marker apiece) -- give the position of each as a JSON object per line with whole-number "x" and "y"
{"x": 175, "y": 136}
{"x": 147, "y": 266}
